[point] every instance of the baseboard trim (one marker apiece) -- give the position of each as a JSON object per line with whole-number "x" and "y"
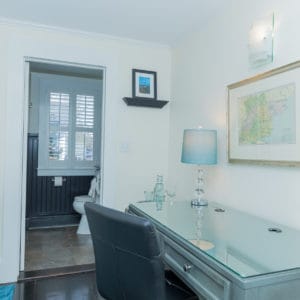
{"x": 52, "y": 221}
{"x": 55, "y": 272}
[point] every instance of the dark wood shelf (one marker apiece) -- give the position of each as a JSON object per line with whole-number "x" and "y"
{"x": 145, "y": 102}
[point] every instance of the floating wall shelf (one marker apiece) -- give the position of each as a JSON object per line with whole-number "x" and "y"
{"x": 146, "y": 102}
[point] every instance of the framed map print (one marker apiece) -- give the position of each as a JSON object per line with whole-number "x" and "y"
{"x": 264, "y": 118}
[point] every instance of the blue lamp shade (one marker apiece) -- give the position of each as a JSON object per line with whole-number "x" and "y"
{"x": 199, "y": 147}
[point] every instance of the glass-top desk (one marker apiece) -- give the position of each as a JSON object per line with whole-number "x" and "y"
{"x": 223, "y": 253}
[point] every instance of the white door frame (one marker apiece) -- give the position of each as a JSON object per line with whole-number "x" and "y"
{"x": 27, "y": 62}
{"x": 73, "y": 50}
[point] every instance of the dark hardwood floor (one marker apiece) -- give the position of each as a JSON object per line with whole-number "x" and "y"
{"x": 67, "y": 287}
{"x": 59, "y": 265}
{"x": 57, "y": 247}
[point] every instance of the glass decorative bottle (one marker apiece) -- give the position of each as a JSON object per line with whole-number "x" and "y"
{"x": 159, "y": 192}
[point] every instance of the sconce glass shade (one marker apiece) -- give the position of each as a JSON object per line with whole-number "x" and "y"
{"x": 199, "y": 147}
{"x": 261, "y": 41}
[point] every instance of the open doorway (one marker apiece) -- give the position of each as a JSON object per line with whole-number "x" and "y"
{"x": 63, "y": 156}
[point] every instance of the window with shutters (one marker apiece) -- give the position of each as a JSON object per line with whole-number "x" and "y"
{"x": 69, "y": 126}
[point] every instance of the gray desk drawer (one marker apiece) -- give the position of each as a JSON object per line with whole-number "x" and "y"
{"x": 200, "y": 277}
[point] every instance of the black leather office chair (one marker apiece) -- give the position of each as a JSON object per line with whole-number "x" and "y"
{"x": 128, "y": 257}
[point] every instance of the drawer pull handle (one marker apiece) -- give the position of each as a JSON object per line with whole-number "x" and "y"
{"x": 187, "y": 267}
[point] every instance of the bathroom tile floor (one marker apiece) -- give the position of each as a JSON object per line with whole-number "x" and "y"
{"x": 57, "y": 247}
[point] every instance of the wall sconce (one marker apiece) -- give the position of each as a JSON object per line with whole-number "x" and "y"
{"x": 261, "y": 41}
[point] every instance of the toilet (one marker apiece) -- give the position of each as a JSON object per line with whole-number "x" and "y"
{"x": 79, "y": 201}
{"x": 78, "y": 206}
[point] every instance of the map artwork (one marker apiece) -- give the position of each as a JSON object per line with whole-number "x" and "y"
{"x": 268, "y": 117}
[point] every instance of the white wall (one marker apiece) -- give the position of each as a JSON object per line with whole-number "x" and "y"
{"x": 2, "y": 124}
{"x": 144, "y": 130}
{"x": 202, "y": 67}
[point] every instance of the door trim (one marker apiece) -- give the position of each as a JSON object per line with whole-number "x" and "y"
{"x": 27, "y": 61}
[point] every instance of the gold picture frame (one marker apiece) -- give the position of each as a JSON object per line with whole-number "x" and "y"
{"x": 263, "y": 120}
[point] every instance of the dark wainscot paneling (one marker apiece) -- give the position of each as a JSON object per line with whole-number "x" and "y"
{"x": 47, "y": 205}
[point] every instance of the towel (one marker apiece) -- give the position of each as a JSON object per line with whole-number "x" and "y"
{"x": 92, "y": 191}
{"x": 98, "y": 183}
{"x": 95, "y": 186}
{"x": 7, "y": 292}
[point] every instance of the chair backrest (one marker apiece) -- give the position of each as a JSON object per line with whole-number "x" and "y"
{"x": 127, "y": 254}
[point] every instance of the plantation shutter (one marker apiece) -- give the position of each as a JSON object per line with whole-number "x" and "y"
{"x": 59, "y": 110}
{"x": 84, "y": 130}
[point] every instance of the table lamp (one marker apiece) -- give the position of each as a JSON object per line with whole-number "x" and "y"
{"x": 199, "y": 147}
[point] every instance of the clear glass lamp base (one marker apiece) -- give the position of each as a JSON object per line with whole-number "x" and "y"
{"x": 199, "y": 202}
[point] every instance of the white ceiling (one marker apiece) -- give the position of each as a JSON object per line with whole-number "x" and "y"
{"x": 159, "y": 21}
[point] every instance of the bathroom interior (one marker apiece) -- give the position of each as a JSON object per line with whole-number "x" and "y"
{"x": 63, "y": 163}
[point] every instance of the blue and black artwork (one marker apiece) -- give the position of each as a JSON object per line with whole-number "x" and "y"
{"x": 144, "y": 85}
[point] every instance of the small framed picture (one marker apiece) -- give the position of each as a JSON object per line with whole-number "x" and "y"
{"x": 144, "y": 84}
